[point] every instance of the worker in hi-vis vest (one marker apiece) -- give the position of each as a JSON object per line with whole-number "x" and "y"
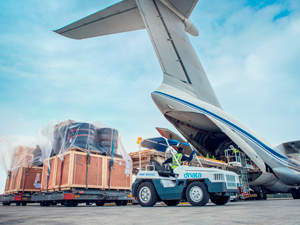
{"x": 180, "y": 158}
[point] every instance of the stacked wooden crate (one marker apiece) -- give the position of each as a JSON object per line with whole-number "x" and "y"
{"x": 23, "y": 177}
{"x": 72, "y": 170}
{"x": 146, "y": 156}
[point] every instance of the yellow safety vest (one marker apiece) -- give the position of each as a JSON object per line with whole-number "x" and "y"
{"x": 178, "y": 157}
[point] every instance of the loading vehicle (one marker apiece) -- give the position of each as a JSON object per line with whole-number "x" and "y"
{"x": 194, "y": 184}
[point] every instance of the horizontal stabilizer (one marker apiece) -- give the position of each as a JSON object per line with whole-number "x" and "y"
{"x": 185, "y": 7}
{"x": 118, "y": 18}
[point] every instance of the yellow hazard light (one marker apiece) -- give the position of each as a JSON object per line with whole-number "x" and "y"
{"x": 139, "y": 140}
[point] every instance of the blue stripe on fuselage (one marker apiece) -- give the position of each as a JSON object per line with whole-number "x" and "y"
{"x": 243, "y": 132}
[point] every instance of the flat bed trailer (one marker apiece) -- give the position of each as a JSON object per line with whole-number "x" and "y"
{"x": 18, "y": 199}
{"x": 69, "y": 198}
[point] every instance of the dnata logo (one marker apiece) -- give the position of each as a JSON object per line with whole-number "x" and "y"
{"x": 192, "y": 175}
{"x": 147, "y": 174}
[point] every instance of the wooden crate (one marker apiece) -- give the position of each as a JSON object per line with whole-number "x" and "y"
{"x": 27, "y": 179}
{"x": 7, "y": 183}
{"x": 121, "y": 179}
{"x": 146, "y": 156}
{"x": 72, "y": 171}
{"x": 48, "y": 180}
{"x": 23, "y": 156}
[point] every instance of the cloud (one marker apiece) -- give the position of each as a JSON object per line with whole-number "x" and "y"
{"x": 249, "y": 50}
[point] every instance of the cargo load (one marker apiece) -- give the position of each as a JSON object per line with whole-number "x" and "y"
{"x": 83, "y": 155}
{"x": 21, "y": 159}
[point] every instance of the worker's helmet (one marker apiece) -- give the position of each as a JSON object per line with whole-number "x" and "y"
{"x": 180, "y": 150}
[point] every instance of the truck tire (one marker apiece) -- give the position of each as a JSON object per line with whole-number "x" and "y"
{"x": 68, "y": 203}
{"x": 197, "y": 194}
{"x": 124, "y": 202}
{"x": 24, "y": 203}
{"x": 221, "y": 200}
{"x": 118, "y": 202}
{"x": 171, "y": 202}
{"x": 100, "y": 203}
{"x": 44, "y": 204}
{"x": 294, "y": 193}
{"x": 18, "y": 203}
{"x": 147, "y": 195}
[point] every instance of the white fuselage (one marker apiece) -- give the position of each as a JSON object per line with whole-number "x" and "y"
{"x": 167, "y": 98}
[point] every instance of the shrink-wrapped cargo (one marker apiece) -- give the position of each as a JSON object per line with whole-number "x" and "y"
{"x": 75, "y": 155}
{"x": 19, "y": 157}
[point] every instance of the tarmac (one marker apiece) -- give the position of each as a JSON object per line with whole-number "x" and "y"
{"x": 273, "y": 211}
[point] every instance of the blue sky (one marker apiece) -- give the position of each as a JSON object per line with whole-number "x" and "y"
{"x": 250, "y": 51}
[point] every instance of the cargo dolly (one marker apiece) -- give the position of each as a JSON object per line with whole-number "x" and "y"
{"x": 76, "y": 196}
{"x": 18, "y": 199}
{"x": 69, "y": 198}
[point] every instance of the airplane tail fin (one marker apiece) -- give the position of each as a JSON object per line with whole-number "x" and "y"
{"x": 167, "y": 23}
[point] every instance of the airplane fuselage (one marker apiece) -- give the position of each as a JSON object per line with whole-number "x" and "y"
{"x": 171, "y": 100}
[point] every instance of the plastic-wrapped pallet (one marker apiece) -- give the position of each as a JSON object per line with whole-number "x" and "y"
{"x": 61, "y": 143}
{"x": 20, "y": 157}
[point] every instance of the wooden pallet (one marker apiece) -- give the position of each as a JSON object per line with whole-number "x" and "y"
{"x": 71, "y": 172}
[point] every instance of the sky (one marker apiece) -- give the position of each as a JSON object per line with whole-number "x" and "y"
{"x": 250, "y": 51}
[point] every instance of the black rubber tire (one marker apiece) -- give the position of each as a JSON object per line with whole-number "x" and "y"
{"x": 53, "y": 203}
{"x": 100, "y": 203}
{"x": 74, "y": 203}
{"x": 24, "y": 203}
{"x": 7, "y": 203}
{"x": 295, "y": 193}
{"x": 221, "y": 200}
{"x": 199, "y": 187}
{"x": 68, "y": 203}
{"x": 172, "y": 202}
{"x": 153, "y": 194}
{"x": 119, "y": 202}
{"x": 44, "y": 203}
{"x": 18, "y": 203}
{"x": 4, "y": 203}
{"x": 135, "y": 203}
{"x": 298, "y": 193}
{"x": 124, "y": 202}
{"x": 264, "y": 197}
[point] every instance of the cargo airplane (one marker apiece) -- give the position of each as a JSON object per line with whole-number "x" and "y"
{"x": 186, "y": 97}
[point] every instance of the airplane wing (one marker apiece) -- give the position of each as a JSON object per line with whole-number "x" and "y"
{"x": 121, "y": 17}
{"x": 292, "y": 147}
{"x": 179, "y": 62}
{"x": 248, "y": 150}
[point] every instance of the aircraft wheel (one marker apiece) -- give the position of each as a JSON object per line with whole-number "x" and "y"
{"x": 294, "y": 193}
{"x": 147, "y": 195}
{"x": 264, "y": 197}
{"x": 171, "y": 202}
{"x": 197, "y": 194}
{"x": 221, "y": 200}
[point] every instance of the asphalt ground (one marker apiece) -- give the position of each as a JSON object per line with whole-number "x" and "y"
{"x": 275, "y": 211}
